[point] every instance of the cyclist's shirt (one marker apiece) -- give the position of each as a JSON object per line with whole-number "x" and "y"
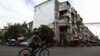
{"x": 34, "y": 39}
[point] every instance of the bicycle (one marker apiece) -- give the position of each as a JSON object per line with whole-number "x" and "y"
{"x": 43, "y": 51}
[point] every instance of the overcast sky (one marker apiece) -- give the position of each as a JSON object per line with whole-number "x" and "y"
{"x": 14, "y": 11}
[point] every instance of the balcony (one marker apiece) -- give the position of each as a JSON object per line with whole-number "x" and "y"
{"x": 64, "y": 6}
{"x": 64, "y": 21}
{"x": 79, "y": 19}
{"x": 73, "y": 11}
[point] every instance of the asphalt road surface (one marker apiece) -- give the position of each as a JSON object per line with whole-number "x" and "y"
{"x": 56, "y": 51}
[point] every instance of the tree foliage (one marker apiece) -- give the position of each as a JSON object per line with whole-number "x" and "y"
{"x": 1, "y": 34}
{"x": 46, "y": 32}
{"x": 13, "y": 31}
{"x": 16, "y": 30}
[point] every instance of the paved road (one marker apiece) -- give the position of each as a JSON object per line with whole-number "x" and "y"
{"x": 58, "y": 51}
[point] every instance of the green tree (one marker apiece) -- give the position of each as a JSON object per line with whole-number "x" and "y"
{"x": 13, "y": 31}
{"x": 46, "y": 34}
{"x": 24, "y": 25}
{"x": 29, "y": 34}
{"x": 1, "y": 34}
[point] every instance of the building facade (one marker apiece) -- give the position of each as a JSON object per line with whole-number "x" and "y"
{"x": 71, "y": 26}
{"x": 65, "y": 21}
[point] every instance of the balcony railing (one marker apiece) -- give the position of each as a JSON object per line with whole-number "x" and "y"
{"x": 63, "y": 6}
{"x": 64, "y": 20}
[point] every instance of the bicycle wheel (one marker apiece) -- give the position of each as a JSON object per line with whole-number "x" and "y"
{"x": 44, "y": 52}
{"x": 25, "y": 52}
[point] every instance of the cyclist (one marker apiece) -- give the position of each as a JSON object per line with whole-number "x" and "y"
{"x": 35, "y": 41}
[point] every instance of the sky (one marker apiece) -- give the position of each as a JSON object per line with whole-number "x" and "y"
{"x": 18, "y": 11}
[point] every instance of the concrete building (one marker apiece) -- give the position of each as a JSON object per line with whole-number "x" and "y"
{"x": 44, "y": 13}
{"x": 65, "y": 21}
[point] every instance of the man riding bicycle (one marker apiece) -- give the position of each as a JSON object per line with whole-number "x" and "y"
{"x": 35, "y": 41}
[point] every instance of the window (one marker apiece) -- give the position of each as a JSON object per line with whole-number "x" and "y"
{"x": 68, "y": 3}
{"x": 35, "y": 10}
{"x": 64, "y": 17}
{"x": 63, "y": 12}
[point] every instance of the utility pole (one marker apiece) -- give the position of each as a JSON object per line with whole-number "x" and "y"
{"x": 56, "y": 25}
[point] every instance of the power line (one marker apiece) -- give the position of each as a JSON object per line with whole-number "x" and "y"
{"x": 92, "y": 23}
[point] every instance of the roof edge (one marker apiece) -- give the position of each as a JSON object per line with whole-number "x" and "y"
{"x": 42, "y": 3}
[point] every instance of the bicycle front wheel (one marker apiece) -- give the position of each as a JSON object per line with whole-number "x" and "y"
{"x": 44, "y": 52}
{"x": 25, "y": 52}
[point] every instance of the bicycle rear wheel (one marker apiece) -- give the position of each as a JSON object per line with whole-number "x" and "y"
{"x": 25, "y": 52}
{"x": 44, "y": 52}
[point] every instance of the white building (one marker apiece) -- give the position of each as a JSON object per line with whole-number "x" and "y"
{"x": 44, "y": 13}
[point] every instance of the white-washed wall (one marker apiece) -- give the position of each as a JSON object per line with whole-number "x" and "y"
{"x": 44, "y": 13}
